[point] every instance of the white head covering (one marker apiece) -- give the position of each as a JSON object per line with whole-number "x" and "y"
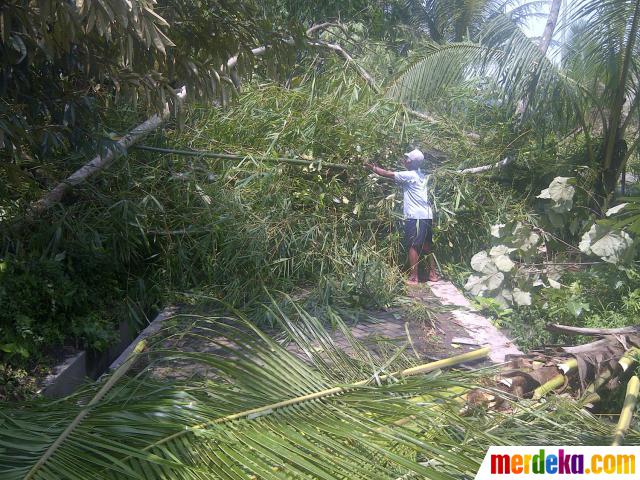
{"x": 415, "y": 155}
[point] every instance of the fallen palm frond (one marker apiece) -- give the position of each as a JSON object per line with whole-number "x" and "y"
{"x": 104, "y": 390}
{"x": 265, "y": 413}
{"x": 232, "y": 427}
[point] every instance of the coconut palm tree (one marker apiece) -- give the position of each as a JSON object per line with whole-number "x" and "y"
{"x": 602, "y": 49}
{"x": 594, "y": 88}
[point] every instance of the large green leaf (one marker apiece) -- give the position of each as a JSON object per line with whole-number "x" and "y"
{"x": 560, "y": 192}
{"x": 483, "y": 263}
{"x": 610, "y": 245}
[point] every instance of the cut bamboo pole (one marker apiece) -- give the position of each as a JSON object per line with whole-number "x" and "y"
{"x": 591, "y": 395}
{"x": 590, "y": 399}
{"x": 557, "y": 381}
{"x": 568, "y": 366}
{"x": 626, "y": 414}
{"x": 229, "y": 156}
{"x": 547, "y": 387}
{"x": 629, "y": 359}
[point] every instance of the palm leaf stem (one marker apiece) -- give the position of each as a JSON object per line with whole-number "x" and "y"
{"x": 268, "y": 409}
{"x": 122, "y": 369}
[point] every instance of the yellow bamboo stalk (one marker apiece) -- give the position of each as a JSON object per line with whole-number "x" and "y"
{"x": 629, "y": 358}
{"x": 568, "y": 366}
{"x": 547, "y": 387}
{"x": 602, "y": 378}
{"x": 626, "y": 414}
{"x": 565, "y": 367}
{"x": 591, "y": 395}
{"x": 589, "y": 399}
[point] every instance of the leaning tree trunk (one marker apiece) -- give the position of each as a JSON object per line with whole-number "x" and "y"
{"x": 550, "y": 27}
{"x": 543, "y": 46}
{"x": 101, "y": 162}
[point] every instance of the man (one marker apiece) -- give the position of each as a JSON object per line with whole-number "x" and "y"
{"x": 418, "y": 223}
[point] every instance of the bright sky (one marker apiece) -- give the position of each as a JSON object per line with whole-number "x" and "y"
{"x": 535, "y": 25}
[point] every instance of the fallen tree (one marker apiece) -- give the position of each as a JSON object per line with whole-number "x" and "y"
{"x": 103, "y": 161}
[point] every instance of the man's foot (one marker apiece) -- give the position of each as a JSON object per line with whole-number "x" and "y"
{"x": 412, "y": 280}
{"x": 434, "y": 277}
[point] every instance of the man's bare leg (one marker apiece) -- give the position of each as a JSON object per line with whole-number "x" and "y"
{"x": 431, "y": 263}
{"x": 414, "y": 257}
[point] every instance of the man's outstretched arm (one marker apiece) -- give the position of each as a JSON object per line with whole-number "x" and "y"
{"x": 381, "y": 171}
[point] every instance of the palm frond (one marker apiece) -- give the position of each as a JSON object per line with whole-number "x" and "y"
{"x": 266, "y": 414}
{"x": 441, "y": 68}
{"x": 504, "y": 57}
{"x": 263, "y": 412}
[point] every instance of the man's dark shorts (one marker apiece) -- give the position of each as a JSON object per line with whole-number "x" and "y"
{"x": 418, "y": 232}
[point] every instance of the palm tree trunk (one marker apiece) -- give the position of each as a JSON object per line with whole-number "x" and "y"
{"x": 549, "y": 28}
{"x": 543, "y": 46}
{"x": 612, "y": 150}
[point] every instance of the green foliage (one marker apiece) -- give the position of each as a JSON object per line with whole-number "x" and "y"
{"x": 598, "y": 296}
{"x": 497, "y": 274}
{"x": 611, "y": 246}
{"x": 560, "y": 192}
{"x": 158, "y": 225}
{"x": 65, "y": 64}
{"x": 270, "y": 412}
{"x": 16, "y": 384}
{"x": 46, "y": 300}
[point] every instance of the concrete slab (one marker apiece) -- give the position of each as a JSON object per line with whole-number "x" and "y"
{"x": 480, "y": 328}
{"x": 66, "y": 377}
{"x": 152, "y": 328}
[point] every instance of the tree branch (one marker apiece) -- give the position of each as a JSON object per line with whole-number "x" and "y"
{"x": 549, "y": 28}
{"x": 501, "y": 164}
{"x": 555, "y": 327}
{"x": 259, "y": 51}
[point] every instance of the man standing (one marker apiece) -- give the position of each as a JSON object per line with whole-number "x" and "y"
{"x": 418, "y": 223}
